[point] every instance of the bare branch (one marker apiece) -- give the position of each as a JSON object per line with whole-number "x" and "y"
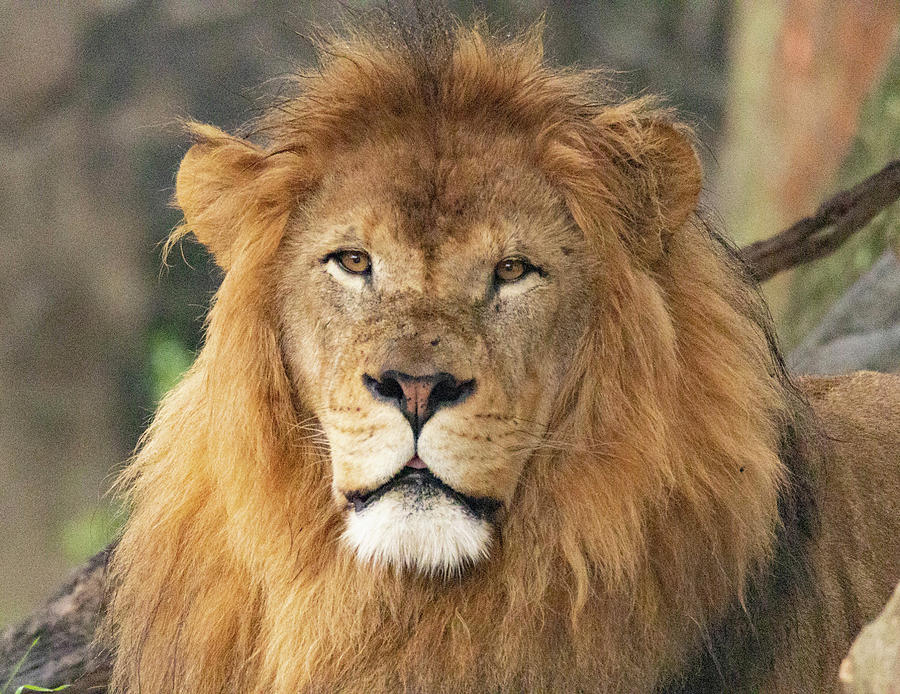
{"x": 824, "y": 232}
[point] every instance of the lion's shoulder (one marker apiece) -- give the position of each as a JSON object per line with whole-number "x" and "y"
{"x": 855, "y": 393}
{"x": 859, "y": 420}
{"x": 854, "y": 549}
{"x": 859, "y": 415}
{"x": 826, "y": 582}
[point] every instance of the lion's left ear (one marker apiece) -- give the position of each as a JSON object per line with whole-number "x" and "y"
{"x": 664, "y": 177}
{"x": 233, "y": 195}
{"x": 676, "y": 176}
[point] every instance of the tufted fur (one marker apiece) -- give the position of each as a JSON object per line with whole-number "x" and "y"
{"x": 672, "y": 497}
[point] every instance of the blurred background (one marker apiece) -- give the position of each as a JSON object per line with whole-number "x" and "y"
{"x": 793, "y": 100}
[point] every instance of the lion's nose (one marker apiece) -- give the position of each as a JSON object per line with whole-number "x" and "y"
{"x": 418, "y": 397}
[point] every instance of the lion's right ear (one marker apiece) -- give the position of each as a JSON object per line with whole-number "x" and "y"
{"x": 230, "y": 192}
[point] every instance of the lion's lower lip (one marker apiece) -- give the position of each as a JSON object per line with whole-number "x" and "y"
{"x": 482, "y": 507}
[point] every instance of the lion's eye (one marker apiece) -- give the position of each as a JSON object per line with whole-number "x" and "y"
{"x": 356, "y": 262}
{"x": 511, "y": 269}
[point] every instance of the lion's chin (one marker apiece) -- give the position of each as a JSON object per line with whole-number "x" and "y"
{"x": 418, "y": 527}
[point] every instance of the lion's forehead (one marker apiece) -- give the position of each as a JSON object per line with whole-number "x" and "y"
{"x": 449, "y": 194}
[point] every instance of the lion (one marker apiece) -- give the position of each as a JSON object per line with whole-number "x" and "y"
{"x": 486, "y": 404}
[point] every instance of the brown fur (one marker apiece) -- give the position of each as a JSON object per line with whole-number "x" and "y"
{"x": 669, "y": 503}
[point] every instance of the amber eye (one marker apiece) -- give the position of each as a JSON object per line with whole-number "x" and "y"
{"x": 356, "y": 262}
{"x": 510, "y": 269}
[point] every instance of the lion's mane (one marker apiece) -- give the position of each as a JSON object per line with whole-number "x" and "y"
{"x": 670, "y": 429}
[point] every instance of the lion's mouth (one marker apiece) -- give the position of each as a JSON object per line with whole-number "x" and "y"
{"x": 417, "y": 479}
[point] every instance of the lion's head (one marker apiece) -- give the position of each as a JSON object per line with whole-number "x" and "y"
{"x": 479, "y": 390}
{"x": 429, "y": 317}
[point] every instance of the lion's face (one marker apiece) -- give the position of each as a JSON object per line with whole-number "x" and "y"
{"x": 429, "y": 315}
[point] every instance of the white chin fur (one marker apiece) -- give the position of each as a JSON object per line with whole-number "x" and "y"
{"x": 435, "y": 535}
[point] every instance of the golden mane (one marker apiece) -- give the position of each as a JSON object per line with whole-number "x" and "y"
{"x": 229, "y": 575}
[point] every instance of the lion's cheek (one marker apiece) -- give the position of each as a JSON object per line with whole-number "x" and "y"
{"x": 483, "y": 464}
{"x": 366, "y": 450}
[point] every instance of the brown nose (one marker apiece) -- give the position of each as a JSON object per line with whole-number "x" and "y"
{"x": 418, "y": 397}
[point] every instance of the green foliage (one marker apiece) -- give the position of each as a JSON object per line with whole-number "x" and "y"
{"x": 169, "y": 359}
{"x": 85, "y": 534}
{"x": 818, "y": 285}
{"x": 28, "y": 687}
{"x": 95, "y": 527}
{"x": 90, "y": 531}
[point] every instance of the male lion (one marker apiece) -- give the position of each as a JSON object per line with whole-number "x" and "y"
{"x": 486, "y": 406}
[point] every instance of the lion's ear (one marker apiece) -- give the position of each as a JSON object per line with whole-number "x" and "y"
{"x": 676, "y": 173}
{"x": 229, "y": 190}
{"x": 665, "y": 178}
